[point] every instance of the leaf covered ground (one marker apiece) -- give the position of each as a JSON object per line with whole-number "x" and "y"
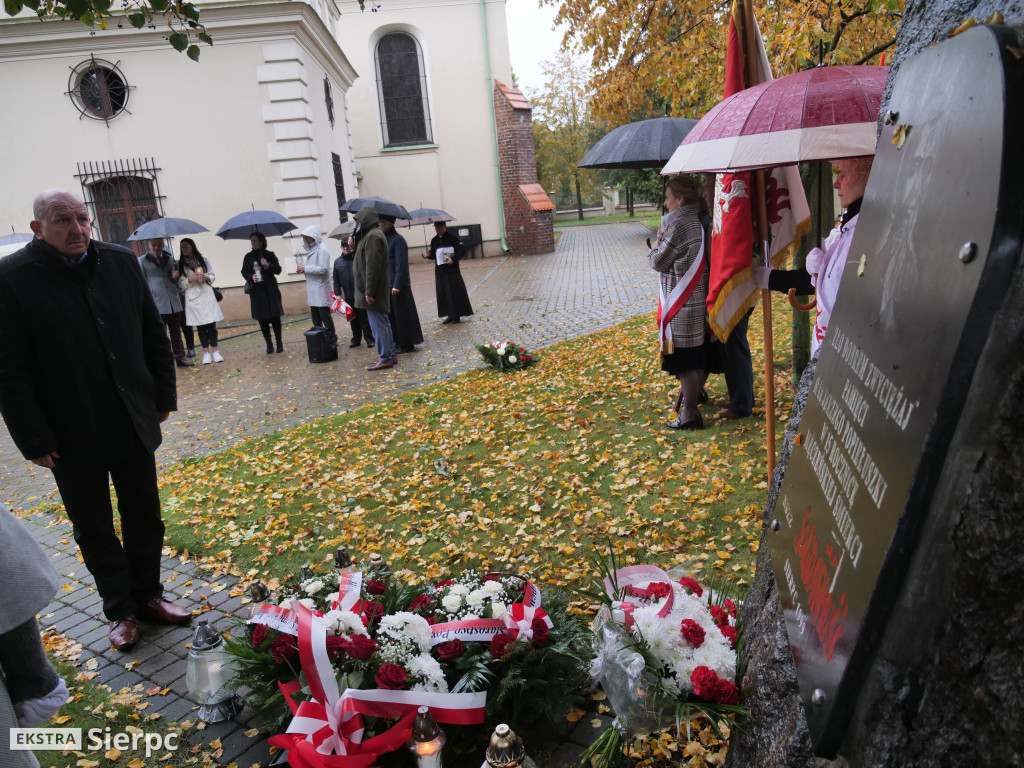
{"x": 527, "y": 471}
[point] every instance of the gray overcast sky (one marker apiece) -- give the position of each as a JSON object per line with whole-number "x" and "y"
{"x": 531, "y": 40}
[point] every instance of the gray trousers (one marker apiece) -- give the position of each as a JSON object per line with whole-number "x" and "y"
{"x": 381, "y": 326}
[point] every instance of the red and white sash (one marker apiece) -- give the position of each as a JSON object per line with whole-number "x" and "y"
{"x": 669, "y": 307}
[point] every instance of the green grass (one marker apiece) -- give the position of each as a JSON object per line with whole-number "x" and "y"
{"x": 530, "y": 471}
{"x": 652, "y": 218}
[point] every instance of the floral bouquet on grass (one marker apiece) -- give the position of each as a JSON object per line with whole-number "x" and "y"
{"x": 665, "y": 653}
{"x": 478, "y": 647}
{"x": 506, "y": 356}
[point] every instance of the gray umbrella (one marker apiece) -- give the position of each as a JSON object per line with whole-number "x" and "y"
{"x": 425, "y": 216}
{"x": 379, "y": 204}
{"x": 15, "y": 237}
{"x": 166, "y": 227}
{"x": 646, "y": 144}
{"x": 244, "y": 225}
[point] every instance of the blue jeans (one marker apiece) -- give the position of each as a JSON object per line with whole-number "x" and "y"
{"x": 739, "y": 374}
{"x": 381, "y": 326}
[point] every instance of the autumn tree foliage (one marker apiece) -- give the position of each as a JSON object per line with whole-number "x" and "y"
{"x": 184, "y": 31}
{"x": 652, "y": 57}
{"x": 564, "y": 128}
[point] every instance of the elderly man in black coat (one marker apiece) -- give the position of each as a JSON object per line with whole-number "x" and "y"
{"x": 86, "y": 378}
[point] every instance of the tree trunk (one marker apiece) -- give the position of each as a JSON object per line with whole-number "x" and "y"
{"x": 579, "y": 198}
{"x": 810, "y": 175}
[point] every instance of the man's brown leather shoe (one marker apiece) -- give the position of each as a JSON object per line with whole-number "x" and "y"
{"x": 124, "y": 633}
{"x": 163, "y": 612}
{"x": 380, "y": 366}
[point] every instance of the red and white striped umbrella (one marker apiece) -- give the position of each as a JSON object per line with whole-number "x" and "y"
{"x": 825, "y": 113}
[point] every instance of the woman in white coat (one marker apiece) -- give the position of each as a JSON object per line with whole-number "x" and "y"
{"x": 201, "y": 308}
{"x": 317, "y": 270}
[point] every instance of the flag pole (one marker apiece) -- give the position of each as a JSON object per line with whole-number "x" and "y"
{"x": 760, "y": 205}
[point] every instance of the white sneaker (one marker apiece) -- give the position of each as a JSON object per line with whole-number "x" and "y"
{"x": 207, "y": 359}
{"x": 217, "y": 358}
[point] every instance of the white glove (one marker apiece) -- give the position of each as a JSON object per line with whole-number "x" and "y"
{"x": 813, "y": 260}
{"x": 761, "y": 275}
{"x": 34, "y": 712}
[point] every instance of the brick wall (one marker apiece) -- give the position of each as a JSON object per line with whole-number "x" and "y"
{"x": 526, "y": 230}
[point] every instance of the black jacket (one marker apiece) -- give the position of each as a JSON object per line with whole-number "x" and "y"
{"x": 85, "y": 361}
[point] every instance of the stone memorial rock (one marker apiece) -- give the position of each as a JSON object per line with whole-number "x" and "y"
{"x": 894, "y": 519}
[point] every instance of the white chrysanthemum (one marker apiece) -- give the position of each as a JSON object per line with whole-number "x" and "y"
{"x": 312, "y": 587}
{"x": 492, "y": 588}
{"x": 476, "y": 598}
{"x": 459, "y": 589}
{"x": 512, "y": 358}
{"x": 429, "y": 674}
{"x": 498, "y": 610}
{"x": 501, "y": 350}
{"x": 407, "y": 627}
{"x": 451, "y": 603}
{"x": 344, "y": 623}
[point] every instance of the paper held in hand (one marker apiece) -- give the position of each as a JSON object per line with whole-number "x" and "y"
{"x": 445, "y": 255}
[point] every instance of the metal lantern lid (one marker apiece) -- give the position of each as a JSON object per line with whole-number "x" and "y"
{"x": 342, "y": 559}
{"x": 424, "y": 728}
{"x": 506, "y": 749}
{"x": 259, "y": 592}
{"x": 205, "y": 637}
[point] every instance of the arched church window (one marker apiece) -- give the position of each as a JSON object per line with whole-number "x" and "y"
{"x": 401, "y": 90}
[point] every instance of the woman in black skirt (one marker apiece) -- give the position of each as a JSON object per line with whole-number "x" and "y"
{"x": 260, "y": 269}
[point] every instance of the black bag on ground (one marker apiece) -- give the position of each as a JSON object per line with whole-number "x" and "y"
{"x": 320, "y": 346}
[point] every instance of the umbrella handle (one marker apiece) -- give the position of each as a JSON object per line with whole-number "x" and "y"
{"x": 797, "y": 305}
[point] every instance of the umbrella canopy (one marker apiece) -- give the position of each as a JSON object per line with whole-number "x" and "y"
{"x": 343, "y": 230}
{"x": 242, "y": 226}
{"x": 425, "y": 216}
{"x": 15, "y": 238}
{"x": 825, "y": 113}
{"x": 646, "y": 144}
{"x": 166, "y": 227}
{"x": 379, "y": 204}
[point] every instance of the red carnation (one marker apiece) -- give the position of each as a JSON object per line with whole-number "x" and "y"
{"x": 659, "y": 589}
{"x": 361, "y": 647}
{"x": 451, "y": 650}
{"x": 730, "y": 606}
{"x": 693, "y": 633}
{"x": 730, "y": 634}
{"x": 390, "y": 676}
{"x": 710, "y": 687}
{"x": 284, "y": 647}
{"x": 375, "y": 587}
{"x": 420, "y": 601}
{"x": 499, "y": 645}
{"x": 259, "y": 634}
{"x": 540, "y": 632}
{"x": 336, "y": 646}
{"x": 720, "y": 615}
{"x": 691, "y": 585}
{"x": 372, "y": 611}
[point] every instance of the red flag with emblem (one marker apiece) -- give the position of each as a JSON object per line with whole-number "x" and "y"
{"x": 731, "y": 290}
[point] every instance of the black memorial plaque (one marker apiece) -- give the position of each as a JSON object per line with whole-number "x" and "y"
{"x": 923, "y": 281}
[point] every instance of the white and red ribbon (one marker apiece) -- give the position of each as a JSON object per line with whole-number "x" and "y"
{"x": 276, "y": 617}
{"x": 634, "y": 574}
{"x": 327, "y": 732}
{"x": 519, "y": 619}
{"x": 484, "y": 630}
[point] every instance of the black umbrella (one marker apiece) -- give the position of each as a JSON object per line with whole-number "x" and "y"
{"x": 379, "y": 204}
{"x": 646, "y": 144}
{"x": 242, "y": 226}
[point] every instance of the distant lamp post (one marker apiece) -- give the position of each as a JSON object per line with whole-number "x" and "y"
{"x": 427, "y": 740}
{"x": 209, "y": 676}
{"x": 259, "y": 593}
{"x": 506, "y": 750}
{"x": 343, "y": 561}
